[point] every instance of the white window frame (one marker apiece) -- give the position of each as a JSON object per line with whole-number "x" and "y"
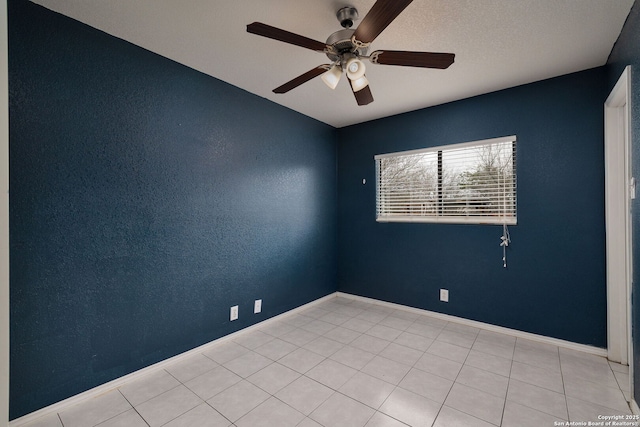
{"x": 507, "y": 214}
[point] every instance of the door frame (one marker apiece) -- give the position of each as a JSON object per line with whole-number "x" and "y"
{"x": 619, "y": 190}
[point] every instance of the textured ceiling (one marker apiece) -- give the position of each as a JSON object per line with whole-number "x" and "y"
{"x": 498, "y": 44}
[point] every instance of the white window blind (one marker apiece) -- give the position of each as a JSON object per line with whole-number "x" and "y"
{"x": 473, "y": 182}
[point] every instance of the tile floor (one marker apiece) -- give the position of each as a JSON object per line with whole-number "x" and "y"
{"x": 349, "y": 363}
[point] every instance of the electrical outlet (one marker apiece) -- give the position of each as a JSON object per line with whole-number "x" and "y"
{"x": 444, "y": 295}
{"x": 257, "y": 306}
{"x": 234, "y": 313}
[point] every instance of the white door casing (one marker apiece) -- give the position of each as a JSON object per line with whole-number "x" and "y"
{"x": 619, "y": 190}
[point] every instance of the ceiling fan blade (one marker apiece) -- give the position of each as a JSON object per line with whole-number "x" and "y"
{"x": 377, "y": 19}
{"x": 285, "y": 36}
{"x": 412, "y": 59}
{"x": 363, "y": 96}
{"x": 315, "y": 72}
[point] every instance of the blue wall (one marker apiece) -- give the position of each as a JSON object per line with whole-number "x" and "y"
{"x": 625, "y": 52}
{"x": 145, "y": 200}
{"x": 555, "y": 281}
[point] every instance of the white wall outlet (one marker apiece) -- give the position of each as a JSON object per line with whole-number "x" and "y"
{"x": 233, "y": 315}
{"x": 257, "y": 306}
{"x": 444, "y": 295}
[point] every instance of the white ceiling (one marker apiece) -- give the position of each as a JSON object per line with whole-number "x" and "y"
{"x": 498, "y": 44}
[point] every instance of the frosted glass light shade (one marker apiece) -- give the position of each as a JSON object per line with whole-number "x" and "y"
{"x": 359, "y": 84}
{"x": 355, "y": 68}
{"x": 332, "y": 77}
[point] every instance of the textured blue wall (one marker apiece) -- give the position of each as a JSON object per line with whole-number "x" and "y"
{"x": 625, "y": 52}
{"x": 146, "y": 199}
{"x": 555, "y": 281}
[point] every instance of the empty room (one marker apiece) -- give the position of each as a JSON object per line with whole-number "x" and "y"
{"x": 378, "y": 213}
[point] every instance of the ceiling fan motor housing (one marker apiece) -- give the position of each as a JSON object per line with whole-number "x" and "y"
{"x": 342, "y": 44}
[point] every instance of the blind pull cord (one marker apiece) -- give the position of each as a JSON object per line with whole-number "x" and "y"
{"x": 505, "y": 240}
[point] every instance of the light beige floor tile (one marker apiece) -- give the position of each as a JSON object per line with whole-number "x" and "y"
{"x": 335, "y": 318}
{"x": 357, "y": 325}
{"x": 248, "y": 364}
{"x": 384, "y": 332}
{"x": 596, "y": 393}
{"x": 439, "y": 366}
{"x": 580, "y": 410}
{"x": 148, "y": 386}
{"x": 213, "y": 382}
{"x": 449, "y": 417}
{"x": 456, "y": 338}
{"x": 402, "y": 354}
{"x": 538, "y": 398}
{"x": 476, "y": 403}
{"x": 275, "y": 349}
{"x": 381, "y": 420}
{"x": 488, "y": 362}
{"x": 541, "y": 377}
{"x": 386, "y": 369}
{"x": 52, "y": 420}
{"x": 424, "y": 330}
{"x": 191, "y": 367}
{"x": 271, "y": 413}
{"x": 318, "y": 327}
{"x": 301, "y": 360}
{"x": 340, "y": 411}
{"x": 324, "y": 346}
{"x": 342, "y": 335}
{"x": 238, "y": 400}
{"x": 505, "y": 351}
{"x": 273, "y": 378}
{"x": 516, "y": 415}
{"x": 277, "y": 329}
{"x": 168, "y": 406}
{"x": 299, "y": 337}
{"x": 414, "y": 341}
{"x": 486, "y": 381}
{"x": 353, "y": 357}
{"x": 331, "y": 373}
{"x": 367, "y": 389}
{"x": 410, "y": 408}
{"x": 426, "y": 385}
{"x": 539, "y": 358}
{"x": 224, "y": 352}
{"x": 253, "y": 340}
{"x": 449, "y": 351}
{"x": 370, "y": 343}
{"x": 202, "y": 416}
{"x": 308, "y": 422}
{"x": 304, "y": 394}
{"x": 127, "y": 419}
{"x": 95, "y": 410}
{"x": 395, "y": 322}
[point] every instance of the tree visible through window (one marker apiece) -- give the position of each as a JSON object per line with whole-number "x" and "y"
{"x": 471, "y": 182}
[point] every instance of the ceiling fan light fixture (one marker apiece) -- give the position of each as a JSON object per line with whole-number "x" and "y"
{"x": 332, "y": 77}
{"x": 355, "y": 69}
{"x": 359, "y": 84}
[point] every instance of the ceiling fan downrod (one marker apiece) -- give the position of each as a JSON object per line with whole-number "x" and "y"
{"x": 346, "y": 16}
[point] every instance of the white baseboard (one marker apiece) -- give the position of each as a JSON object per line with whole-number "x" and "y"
{"x": 500, "y": 329}
{"x": 111, "y": 385}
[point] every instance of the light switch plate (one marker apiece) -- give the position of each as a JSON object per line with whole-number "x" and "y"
{"x": 257, "y": 306}
{"x": 444, "y": 295}
{"x": 233, "y": 315}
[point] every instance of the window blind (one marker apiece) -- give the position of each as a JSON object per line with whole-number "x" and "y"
{"x": 473, "y": 182}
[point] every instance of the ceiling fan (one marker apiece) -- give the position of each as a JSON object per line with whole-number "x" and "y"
{"x": 346, "y": 48}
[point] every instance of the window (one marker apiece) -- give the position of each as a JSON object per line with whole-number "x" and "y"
{"x": 473, "y": 182}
